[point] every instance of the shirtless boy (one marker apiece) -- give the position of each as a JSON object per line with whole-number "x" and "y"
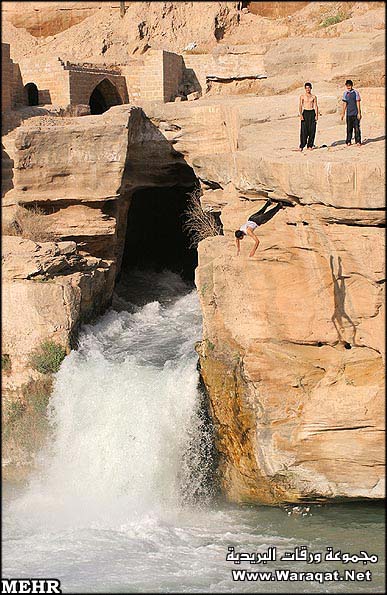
{"x": 308, "y": 110}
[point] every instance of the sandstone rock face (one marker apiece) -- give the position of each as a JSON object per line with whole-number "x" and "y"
{"x": 275, "y": 10}
{"x": 102, "y": 33}
{"x": 293, "y": 346}
{"x": 55, "y": 288}
{"x": 301, "y": 416}
{"x": 48, "y": 290}
{"x": 81, "y": 173}
{"x": 50, "y": 18}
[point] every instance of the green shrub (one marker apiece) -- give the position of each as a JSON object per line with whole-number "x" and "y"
{"x": 15, "y": 412}
{"x": 25, "y": 419}
{"x": 334, "y": 20}
{"x": 47, "y": 358}
{"x": 37, "y": 394}
{"x": 210, "y": 345}
{"x": 6, "y": 365}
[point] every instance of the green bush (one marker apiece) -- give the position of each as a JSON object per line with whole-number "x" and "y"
{"x": 334, "y": 20}
{"x": 25, "y": 419}
{"x": 47, "y": 358}
{"x": 37, "y": 394}
{"x": 15, "y": 412}
{"x": 6, "y": 363}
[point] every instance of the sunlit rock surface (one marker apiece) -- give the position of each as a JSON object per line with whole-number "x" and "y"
{"x": 292, "y": 354}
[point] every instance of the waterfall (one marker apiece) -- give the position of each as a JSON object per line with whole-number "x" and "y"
{"x": 109, "y": 509}
{"x": 124, "y": 411}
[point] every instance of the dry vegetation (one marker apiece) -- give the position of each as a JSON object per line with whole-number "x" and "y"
{"x": 199, "y": 224}
{"x": 25, "y": 421}
{"x": 6, "y": 365}
{"x": 30, "y": 224}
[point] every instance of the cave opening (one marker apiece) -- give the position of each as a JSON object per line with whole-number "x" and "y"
{"x": 156, "y": 237}
{"x": 32, "y": 94}
{"x": 104, "y": 96}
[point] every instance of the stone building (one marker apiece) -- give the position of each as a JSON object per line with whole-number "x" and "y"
{"x": 53, "y": 81}
{"x": 44, "y": 81}
{"x": 158, "y": 75}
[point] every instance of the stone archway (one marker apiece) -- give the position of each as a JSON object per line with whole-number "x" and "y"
{"x": 32, "y": 94}
{"x": 103, "y": 97}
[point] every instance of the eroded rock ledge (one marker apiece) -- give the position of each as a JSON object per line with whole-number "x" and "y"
{"x": 293, "y": 344}
{"x": 81, "y": 174}
{"x": 293, "y": 348}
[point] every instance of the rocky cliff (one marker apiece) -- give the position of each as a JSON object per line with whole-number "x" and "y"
{"x": 293, "y": 345}
{"x": 293, "y": 348}
{"x": 76, "y": 178}
{"x": 292, "y": 354}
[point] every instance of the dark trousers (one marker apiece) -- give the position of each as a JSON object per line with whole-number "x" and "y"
{"x": 261, "y": 217}
{"x": 308, "y": 128}
{"x": 353, "y": 124}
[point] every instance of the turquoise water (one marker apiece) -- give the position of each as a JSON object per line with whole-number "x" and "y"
{"x": 185, "y": 550}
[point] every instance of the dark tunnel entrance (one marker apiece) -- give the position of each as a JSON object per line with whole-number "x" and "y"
{"x": 32, "y": 94}
{"x": 104, "y": 96}
{"x": 155, "y": 236}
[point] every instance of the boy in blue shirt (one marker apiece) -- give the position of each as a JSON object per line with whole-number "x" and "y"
{"x": 351, "y": 104}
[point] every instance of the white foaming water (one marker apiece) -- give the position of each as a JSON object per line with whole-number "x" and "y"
{"x": 123, "y": 409}
{"x": 105, "y": 511}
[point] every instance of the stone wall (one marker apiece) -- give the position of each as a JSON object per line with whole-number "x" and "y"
{"x": 151, "y": 76}
{"x": 132, "y": 71}
{"x": 173, "y": 74}
{"x": 154, "y": 77}
{"x": 7, "y": 78}
{"x": 50, "y": 78}
{"x": 12, "y": 90}
{"x": 62, "y": 83}
{"x": 373, "y": 102}
{"x": 17, "y": 89}
{"x": 83, "y": 82}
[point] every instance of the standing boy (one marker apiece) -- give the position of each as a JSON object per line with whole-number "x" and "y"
{"x": 308, "y": 110}
{"x": 351, "y": 105}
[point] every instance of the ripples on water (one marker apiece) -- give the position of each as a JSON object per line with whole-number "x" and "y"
{"x": 104, "y": 511}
